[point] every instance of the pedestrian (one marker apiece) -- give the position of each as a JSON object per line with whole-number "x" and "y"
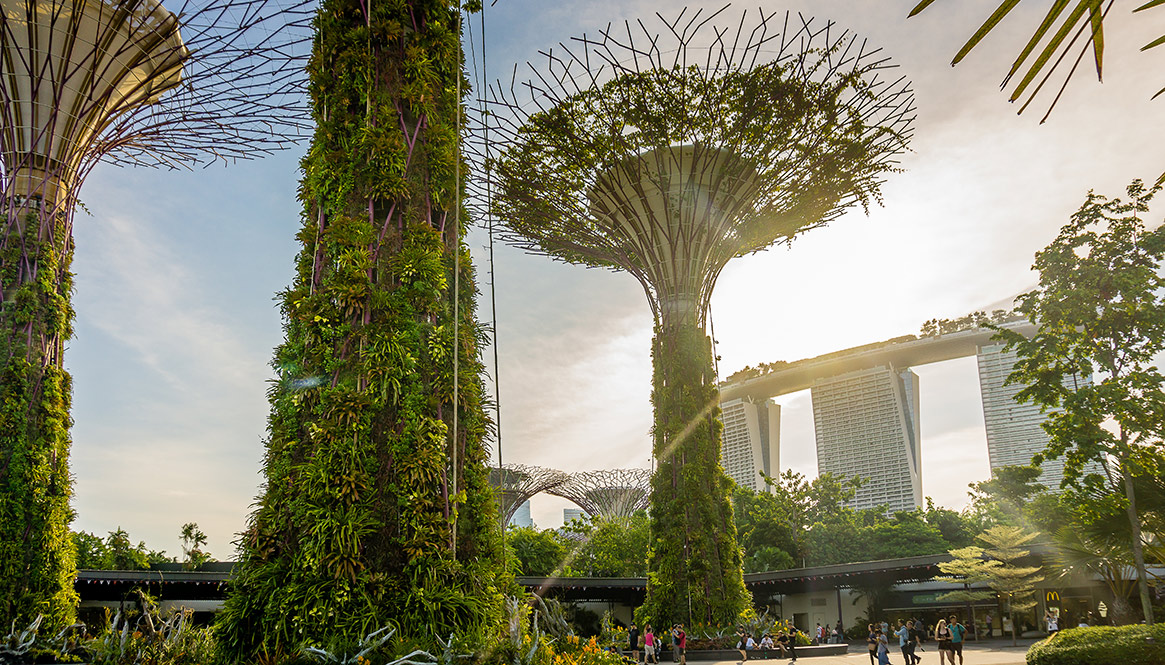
{"x": 872, "y": 644}
{"x": 885, "y": 628}
{"x": 883, "y": 649}
{"x": 840, "y": 632}
{"x": 958, "y": 630}
{"x": 903, "y": 635}
{"x": 633, "y": 641}
{"x": 766, "y": 645}
{"x": 675, "y": 652}
{"x": 819, "y": 635}
{"x": 942, "y": 635}
{"x": 987, "y": 620}
{"x": 681, "y": 644}
{"x": 742, "y": 644}
{"x": 649, "y": 646}
{"x": 913, "y": 637}
{"x": 1052, "y": 621}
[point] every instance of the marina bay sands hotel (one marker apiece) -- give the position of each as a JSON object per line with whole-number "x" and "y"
{"x": 866, "y": 419}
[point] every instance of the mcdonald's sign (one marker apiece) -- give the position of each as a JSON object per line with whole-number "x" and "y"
{"x": 1053, "y": 596}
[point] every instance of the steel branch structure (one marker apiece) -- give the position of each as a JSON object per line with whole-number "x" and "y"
{"x": 613, "y": 494}
{"x": 665, "y": 152}
{"x": 128, "y": 82}
{"x": 516, "y": 483}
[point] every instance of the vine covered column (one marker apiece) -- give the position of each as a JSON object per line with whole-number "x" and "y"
{"x": 376, "y": 509}
{"x": 36, "y": 551}
{"x": 694, "y": 561}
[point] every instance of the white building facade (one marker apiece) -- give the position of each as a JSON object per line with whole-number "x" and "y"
{"x": 867, "y": 424}
{"x": 751, "y": 441}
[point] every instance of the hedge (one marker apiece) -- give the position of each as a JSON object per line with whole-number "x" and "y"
{"x": 1128, "y": 645}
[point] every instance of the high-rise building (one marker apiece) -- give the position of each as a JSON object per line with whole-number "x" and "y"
{"x": 867, "y": 425}
{"x": 571, "y": 514}
{"x": 1014, "y": 429}
{"x": 751, "y": 441}
{"x": 522, "y": 515}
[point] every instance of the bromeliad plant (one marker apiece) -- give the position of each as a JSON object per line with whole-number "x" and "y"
{"x": 376, "y": 508}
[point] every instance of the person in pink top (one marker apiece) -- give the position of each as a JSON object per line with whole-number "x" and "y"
{"x": 649, "y": 645}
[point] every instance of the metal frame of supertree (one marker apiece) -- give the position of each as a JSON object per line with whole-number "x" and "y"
{"x": 667, "y": 153}
{"x": 763, "y": 170}
{"x": 610, "y": 493}
{"x": 130, "y": 83}
{"x": 516, "y": 483}
{"x": 126, "y": 82}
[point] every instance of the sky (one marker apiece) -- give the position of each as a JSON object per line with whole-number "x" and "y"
{"x": 176, "y": 275}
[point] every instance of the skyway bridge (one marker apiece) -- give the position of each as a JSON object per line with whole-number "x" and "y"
{"x": 801, "y": 374}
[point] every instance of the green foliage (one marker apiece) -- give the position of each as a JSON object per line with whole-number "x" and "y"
{"x": 376, "y": 509}
{"x": 151, "y": 639}
{"x": 116, "y": 552}
{"x": 997, "y": 565}
{"x": 1100, "y": 305}
{"x": 36, "y": 552}
{"x": 537, "y": 552}
{"x": 1140, "y": 644}
{"x": 608, "y": 547}
{"x": 193, "y": 540}
{"x": 694, "y": 560}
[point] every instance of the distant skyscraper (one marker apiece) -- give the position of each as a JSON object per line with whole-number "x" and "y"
{"x": 752, "y": 440}
{"x": 569, "y": 514}
{"x": 1014, "y": 431}
{"x": 522, "y": 515}
{"x": 867, "y": 425}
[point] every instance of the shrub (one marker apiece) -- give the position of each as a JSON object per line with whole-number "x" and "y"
{"x": 1130, "y": 645}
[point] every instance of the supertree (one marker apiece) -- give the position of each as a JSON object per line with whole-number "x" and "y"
{"x": 611, "y": 493}
{"x": 514, "y": 484}
{"x": 666, "y": 154}
{"x": 376, "y": 508}
{"x": 83, "y": 82}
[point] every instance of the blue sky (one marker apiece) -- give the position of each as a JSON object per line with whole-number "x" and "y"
{"x": 176, "y": 274}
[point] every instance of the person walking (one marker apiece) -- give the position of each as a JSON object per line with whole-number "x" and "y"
{"x": 872, "y": 644}
{"x": 883, "y": 649}
{"x": 913, "y": 640}
{"x": 942, "y": 635}
{"x": 903, "y": 635}
{"x": 633, "y": 641}
{"x": 958, "y": 630}
{"x": 987, "y": 620}
{"x": 649, "y": 646}
{"x": 742, "y": 644}
{"x": 680, "y": 644}
{"x": 1052, "y": 621}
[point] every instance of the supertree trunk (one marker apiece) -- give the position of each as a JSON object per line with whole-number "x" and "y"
{"x": 377, "y": 507}
{"x": 695, "y": 562}
{"x": 36, "y": 551}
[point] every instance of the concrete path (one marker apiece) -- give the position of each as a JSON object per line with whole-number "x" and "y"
{"x": 991, "y": 653}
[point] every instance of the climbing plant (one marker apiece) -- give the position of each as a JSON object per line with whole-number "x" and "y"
{"x": 376, "y": 509}
{"x": 36, "y": 549}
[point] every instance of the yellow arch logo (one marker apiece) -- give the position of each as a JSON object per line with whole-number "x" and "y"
{"x": 1053, "y": 595}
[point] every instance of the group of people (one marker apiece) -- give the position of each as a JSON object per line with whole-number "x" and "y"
{"x": 948, "y": 635}
{"x": 652, "y": 643}
{"x": 785, "y": 642}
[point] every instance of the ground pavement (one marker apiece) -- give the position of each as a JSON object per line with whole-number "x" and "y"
{"x": 986, "y": 653}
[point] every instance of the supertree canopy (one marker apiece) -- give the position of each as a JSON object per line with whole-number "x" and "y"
{"x": 611, "y": 493}
{"x": 665, "y": 154}
{"x": 514, "y": 484}
{"x": 81, "y": 82}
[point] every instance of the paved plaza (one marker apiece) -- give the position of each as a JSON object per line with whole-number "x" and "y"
{"x": 991, "y": 653}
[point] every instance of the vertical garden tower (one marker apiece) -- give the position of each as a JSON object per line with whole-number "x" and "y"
{"x": 666, "y": 154}
{"x": 85, "y": 81}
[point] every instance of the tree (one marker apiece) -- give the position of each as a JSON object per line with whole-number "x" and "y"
{"x": 1084, "y": 18}
{"x": 1003, "y": 498}
{"x": 1100, "y": 304}
{"x": 376, "y": 507}
{"x": 193, "y": 540}
{"x": 90, "y": 550}
{"x": 539, "y": 553}
{"x": 609, "y": 547}
{"x": 997, "y": 565}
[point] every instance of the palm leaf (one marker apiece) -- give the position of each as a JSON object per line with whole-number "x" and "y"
{"x": 1053, "y": 45}
{"x": 1000, "y": 12}
{"x": 1053, "y": 13}
{"x": 1097, "y": 18}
